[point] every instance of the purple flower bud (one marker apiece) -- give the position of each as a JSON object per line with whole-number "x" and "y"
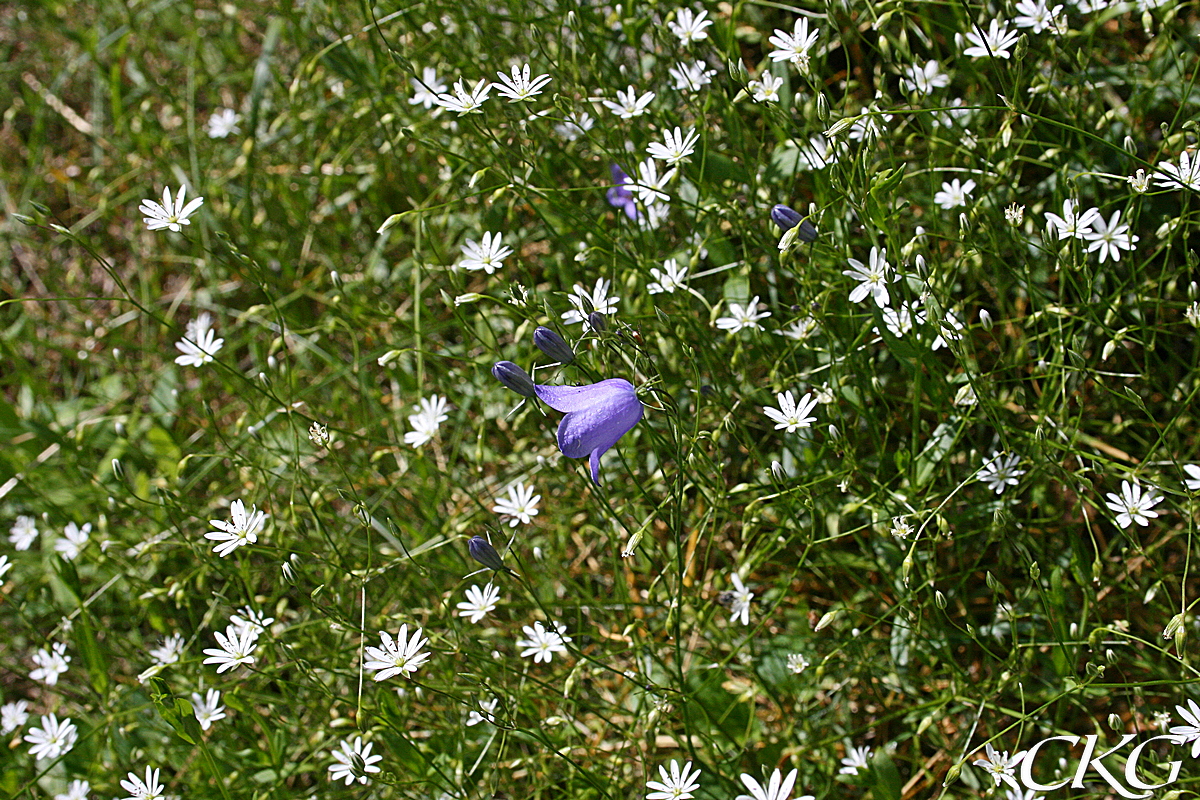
{"x": 553, "y": 345}
{"x": 514, "y": 378}
{"x": 597, "y": 322}
{"x": 597, "y": 416}
{"x": 788, "y": 218}
{"x": 619, "y": 196}
{"x": 482, "y": 551}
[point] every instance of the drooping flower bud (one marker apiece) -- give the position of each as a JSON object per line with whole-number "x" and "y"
{"x": 482, "y": 551}
{"x": 553, "y": 345}
{"x": 597, "y": 322}
{"x": 514, "y": 378}
{"x": 787, "y": 218}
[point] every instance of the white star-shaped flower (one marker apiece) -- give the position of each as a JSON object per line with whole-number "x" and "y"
{"x": 222, "y": 123}
{"x": 13, "y": 715}
{"x": 235, "y": 646}
{"x": 855, "y": 761}
{"x": 242, "y": 528}
{"x": 690, "y": 26}
{"x": 426, "y": 89}
{"x": 51, "y": 662}
{"x": 628, "y": 104}
{"x": 486, "y": 713}
{"x": 995, "y": 41}
{"x": 168, "y": 652}
{"x": 479, "y": 602}
{"x": 874, "y": 277}
{"x": 583, "y": 303}
{"x": 1036, "y": 14}
{"x": 678, "y": 784}
{"x": 199, "y": 343}
{"x": 650, "y": 187}
{"x": 520, "y": 505}
{"x": 543, "y": 643}
{"x": 463, "y": 101}
{"x": 1000, "y": 471}
{"x": 676, "y": 147}
{"x": 575, "y": 125}
{"x": 742, "y": 317}
{"x": 924, "y": 79}
{"x": 53, "y": 739}
{"x": 1187, "y": 174}
{"x": 1000, "y": 766}
{"x": 1110, "y": 238}
{"x": 518, "y": 86}
{"x": 765, "y": 89}
{"x": 76, "y": 790}
{"x": 1133, "y": 505}
{"x": 690, "y": 77}
{"x": 1072, "y": 223}
{"x": 1191, "y": 731}
{"x": 148, "y": 789}
{"x": 208, "y": 709}
{"x": 794, "y": 46}
{"x": 487, "y": 255}
{"x": 170, "y": 214}
{"x": 777, "y": 788}
{"x": 73, "y": 540}
{"x": 954, "y": 194}
{"x": 23, "y": 533}
{"x": 429, "y": 416}
{"x": 740, "y": 599}
{"x": 800, "y": 329}
{"x": 399, "y": 656}
{"x": 667, "y": 280}
{"x": 354, "y": 762}
{"x": 792, "y": 416}
{"x": 1192, "y": 483}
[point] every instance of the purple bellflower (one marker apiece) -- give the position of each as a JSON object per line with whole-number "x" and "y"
{"x": 619, "y": 196}
{"x": 597, "y": 416}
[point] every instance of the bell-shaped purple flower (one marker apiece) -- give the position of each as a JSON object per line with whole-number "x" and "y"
{"x": 621, "y": 197}
{"x": 597, "y": 416}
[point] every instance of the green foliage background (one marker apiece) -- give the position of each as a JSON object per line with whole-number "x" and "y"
{"x": 1005, "y": 618}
